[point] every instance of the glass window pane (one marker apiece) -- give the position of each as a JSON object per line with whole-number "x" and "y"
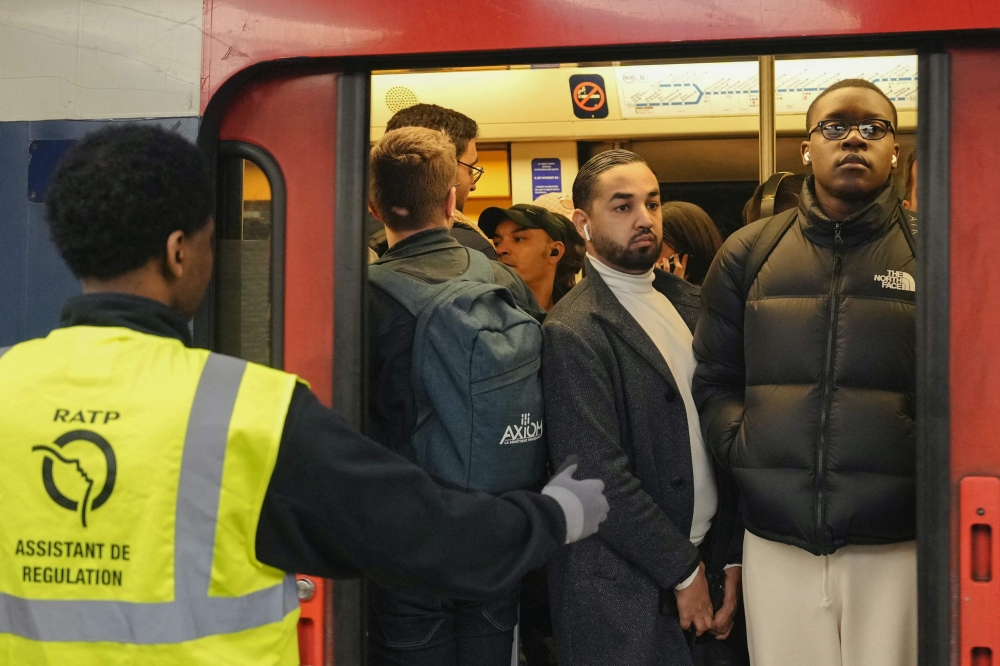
{"x": 243, "y": 324}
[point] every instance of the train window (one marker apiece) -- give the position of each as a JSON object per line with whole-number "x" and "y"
{"x": 247, "y": 299}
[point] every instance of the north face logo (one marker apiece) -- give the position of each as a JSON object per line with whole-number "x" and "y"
{"x": 524, "y": 433}
{"x": 897, "y": 280}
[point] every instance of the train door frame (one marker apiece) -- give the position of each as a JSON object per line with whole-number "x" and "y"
{"x": 350, "y": 323}
{"x": 934, "y": 529}
{"x": 349, "y": 312}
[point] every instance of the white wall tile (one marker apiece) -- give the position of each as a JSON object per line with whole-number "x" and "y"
{"x": 92, "y": 59}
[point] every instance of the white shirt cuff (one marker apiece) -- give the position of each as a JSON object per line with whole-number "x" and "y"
{"x": 572, "y": 508}
{"x": 686, "y": 583}
{"x": 730, "y": 566}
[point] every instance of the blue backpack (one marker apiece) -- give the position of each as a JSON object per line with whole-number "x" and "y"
{"x": 476, "y": 364}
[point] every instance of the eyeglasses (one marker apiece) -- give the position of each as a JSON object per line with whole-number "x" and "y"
{"x": 476, "y": 171}
{"x": 871, "y": 129}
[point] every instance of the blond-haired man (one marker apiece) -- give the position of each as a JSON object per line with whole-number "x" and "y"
{"x": 461, "y": 415}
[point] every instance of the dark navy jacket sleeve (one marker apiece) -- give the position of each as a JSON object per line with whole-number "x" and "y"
{"x": 340, "y": 505}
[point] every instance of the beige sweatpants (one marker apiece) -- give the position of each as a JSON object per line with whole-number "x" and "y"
{"x": 857, "y": 607}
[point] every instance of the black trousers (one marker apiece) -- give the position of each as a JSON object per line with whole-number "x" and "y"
{"x": 411, "y": 628}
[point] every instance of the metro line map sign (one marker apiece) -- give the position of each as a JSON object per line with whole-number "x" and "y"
{"x": 731, "y": 88}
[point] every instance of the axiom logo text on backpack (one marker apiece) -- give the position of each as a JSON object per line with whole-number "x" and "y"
{"x": 527, "y": 431}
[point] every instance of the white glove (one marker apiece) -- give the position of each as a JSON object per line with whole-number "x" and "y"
{"x": 582, "y": 501}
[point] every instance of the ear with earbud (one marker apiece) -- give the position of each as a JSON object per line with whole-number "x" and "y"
{"x": 586, "y": 231}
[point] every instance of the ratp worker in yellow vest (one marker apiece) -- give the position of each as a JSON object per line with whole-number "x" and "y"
{"x": 153, "y": 495}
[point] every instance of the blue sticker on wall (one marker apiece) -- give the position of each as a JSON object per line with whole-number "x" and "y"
{"x": 546, "y": 176}
{"x": 43, "y": 156}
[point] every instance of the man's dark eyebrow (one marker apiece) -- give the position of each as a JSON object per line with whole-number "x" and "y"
{"x": 622, "y": 195}
{"x": 654, "y": 193}
{"x": 518, "y": 230}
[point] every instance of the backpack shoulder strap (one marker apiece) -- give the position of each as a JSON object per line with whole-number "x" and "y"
{"x": 769, "y": 236}
{"x": 908, "y": 222}
{"x": 416, "y": 295}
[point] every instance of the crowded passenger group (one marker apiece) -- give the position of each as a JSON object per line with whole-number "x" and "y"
{"x": 748, "y": 404}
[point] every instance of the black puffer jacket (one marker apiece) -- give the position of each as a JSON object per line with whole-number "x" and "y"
{"x": 806, "y": 388}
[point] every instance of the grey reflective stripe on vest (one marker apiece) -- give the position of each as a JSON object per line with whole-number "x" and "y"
{"x": 201, "y": 474}
{"x": 4, "y": 350}
{"x": 193, "y": 614}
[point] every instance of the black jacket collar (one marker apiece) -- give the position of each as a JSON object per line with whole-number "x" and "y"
{"x": 126, "y": 311}
{"x": 607, "y": 307}
{"x": 871, "y": 221}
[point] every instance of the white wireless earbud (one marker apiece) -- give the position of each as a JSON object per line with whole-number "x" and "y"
{"x": 808, "y": 157}
{"x": 893, "y": 159}
{"x": 586, "y": 231}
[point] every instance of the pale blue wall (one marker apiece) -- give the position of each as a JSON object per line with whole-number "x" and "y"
{"x": 34, "y": 281}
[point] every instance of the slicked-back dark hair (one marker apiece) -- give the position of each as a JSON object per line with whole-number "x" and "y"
{"x": 460, "y": 128}
{"x": 586, "y": 179}
{"x": 851, "y": 83}
{"x": 118, "y": 194}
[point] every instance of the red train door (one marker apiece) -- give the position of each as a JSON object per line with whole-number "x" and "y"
{"x": 309, "y": 122}
{"x": 295, "y": 128}
{"x": 958, "y": 358}
{"x": 971, "y": 356}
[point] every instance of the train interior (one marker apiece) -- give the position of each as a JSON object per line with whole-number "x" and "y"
{"x": 696, "y": 123}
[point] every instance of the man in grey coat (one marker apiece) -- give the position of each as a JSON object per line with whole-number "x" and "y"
{"x": 617, "y": 368}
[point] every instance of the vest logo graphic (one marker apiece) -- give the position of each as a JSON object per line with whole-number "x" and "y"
{"x": 77, "y": 472}
{"x": 900, "y": 280}
{"x": 528, "y": 431}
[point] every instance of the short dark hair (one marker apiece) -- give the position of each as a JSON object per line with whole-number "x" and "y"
{"x": 689, "y": 230}
{"x": 851, "y": 83}
{"x": 787, "y": 196}
{"x": 460, "y": 128}
{"x": 586, "y": 179}
{"x": 118, "y": 194}
{"x": 909, "y": 182}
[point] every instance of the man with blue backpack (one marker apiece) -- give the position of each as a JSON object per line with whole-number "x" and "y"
{"x": 455, "y": 360}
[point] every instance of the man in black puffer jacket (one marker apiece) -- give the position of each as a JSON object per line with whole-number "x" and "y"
{"x": 805, "y": 384}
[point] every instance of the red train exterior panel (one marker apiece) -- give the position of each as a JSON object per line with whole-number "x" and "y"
{"x": 975, "y": 345}
{"x": 975, "y": 263}
{"x": 240, "y": 33}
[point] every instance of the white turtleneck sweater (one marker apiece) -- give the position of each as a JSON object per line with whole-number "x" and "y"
{"x": 663, "y": 324}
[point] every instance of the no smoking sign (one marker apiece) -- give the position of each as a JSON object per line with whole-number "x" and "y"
{"x": 589, "y": 95}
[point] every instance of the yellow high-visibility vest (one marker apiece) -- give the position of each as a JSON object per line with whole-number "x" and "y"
{"x": 132, "y": 475}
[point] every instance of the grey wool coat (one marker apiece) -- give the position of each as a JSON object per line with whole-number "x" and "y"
{"x": 611, "y": 400}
